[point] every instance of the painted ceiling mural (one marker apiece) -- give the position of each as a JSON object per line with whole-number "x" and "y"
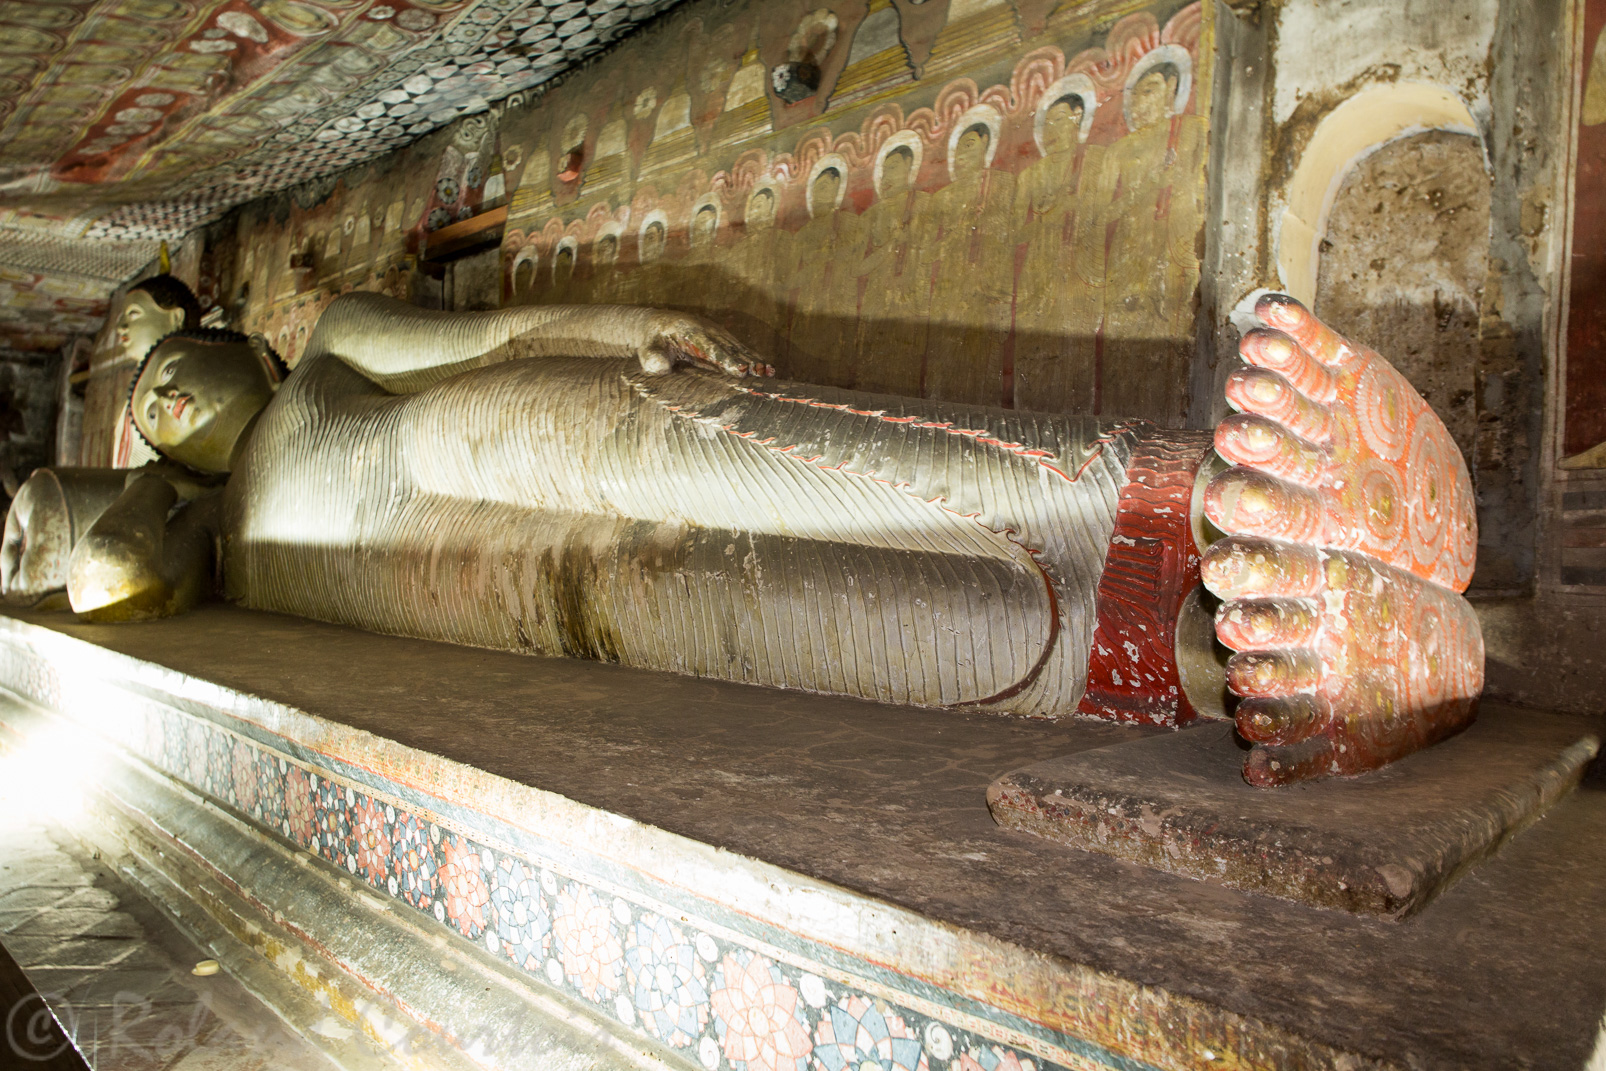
{"x": 124, "y": 122}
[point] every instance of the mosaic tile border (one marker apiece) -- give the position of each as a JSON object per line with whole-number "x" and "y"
{"x": 718, "y": 997}
{"x": 705, "y": 996}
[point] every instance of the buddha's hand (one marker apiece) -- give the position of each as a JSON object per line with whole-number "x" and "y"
{"x": 674, "y": 338}
{"x": 1351, "y": 532}
{"x": 37, "y": 542}
{"x": 187, "y": 484}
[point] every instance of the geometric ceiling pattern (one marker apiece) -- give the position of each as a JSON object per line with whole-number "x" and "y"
{"x": 123, "y": 122}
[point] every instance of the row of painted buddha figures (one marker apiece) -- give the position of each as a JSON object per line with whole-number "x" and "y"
{"x": 1090, "y": 246}
{"x": 633, "y": 485}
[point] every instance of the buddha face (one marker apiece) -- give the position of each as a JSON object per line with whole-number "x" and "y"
{"x": 826, "y": 185}
{"x": 194, "y": 400}
{"x": 607, "y": 251}
{"x": 652, "y": 242}
{"x": 970, "y": 155}
{"x": 895, "y": 173}
{"x": 703, "y": 228}
{"x": 1151, "y": 99}
{"x": 761, "y": 211}
{"x": 143, "y": 321}
{"x": 563, "y": 265}
{"x": 1062, "y": 124}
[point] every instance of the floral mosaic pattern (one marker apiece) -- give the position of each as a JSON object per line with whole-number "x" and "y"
{"x": 668, "y": 981}
{"x": 759, "y": 1015}
{"x": 720, "y": 1004}
{"x": 523, "y": 929}
{"x": 589, "y": 949}
{"x": 855, "y": 1032}
{"x": 464, "y": 885}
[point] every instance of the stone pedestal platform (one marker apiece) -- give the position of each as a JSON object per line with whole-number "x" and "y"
{"x": 1384, "y": 843}
{"x": 474, "y": 859}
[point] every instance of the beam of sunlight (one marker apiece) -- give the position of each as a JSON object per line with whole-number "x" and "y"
{"x": 50, "y": 765}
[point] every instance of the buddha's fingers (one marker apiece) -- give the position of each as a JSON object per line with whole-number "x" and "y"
{"x": 1240, "y": 567}
{"x": 1251, "y": 439}
{"x": 1283, "y": 313}
{"x": 1253, "y": 389}
{"x": 686, "y": 340}
{"x": 1266, "y": 624}
{"x": 1277, "y": 351}
{"x": 1283, "y": 720}
{"x": 731, "y": 356}
{"x": 1246, "y": 501}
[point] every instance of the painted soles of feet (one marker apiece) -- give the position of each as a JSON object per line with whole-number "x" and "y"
{"x": 1350, "y": 535}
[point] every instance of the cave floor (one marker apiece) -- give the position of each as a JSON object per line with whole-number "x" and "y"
{"x": 107, "y": 980}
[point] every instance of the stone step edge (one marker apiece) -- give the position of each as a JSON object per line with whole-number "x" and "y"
{"x": 1069, "y": 999}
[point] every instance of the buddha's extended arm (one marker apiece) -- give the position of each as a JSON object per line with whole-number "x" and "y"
{"x": 405, "y": 349}
{"x": 137, "y": 562}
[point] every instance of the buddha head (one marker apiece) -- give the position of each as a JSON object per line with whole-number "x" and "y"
{"x": 1062, "y": 125}
{"x": 198, "y": 393}
{"x": 563, "y": 264}
{"x": 153, "y": 309}
{"x": 896, "y": 170}
{"x": 1150, "y": 100}
{"x": 652, "y": 242}
{"x": 760, "y": 210}
{"x": 827, "y": 184}
{"x": 970, "y": 155}
{"x": 607, "y": 252}
{"x": 704, "y": 225}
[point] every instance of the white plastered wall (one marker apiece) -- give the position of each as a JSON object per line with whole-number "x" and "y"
{"x": 1361, "y": 125}
{"x": 1393, "y": 69}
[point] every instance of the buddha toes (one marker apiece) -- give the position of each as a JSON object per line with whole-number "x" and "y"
{"x": 1350, "y": 535}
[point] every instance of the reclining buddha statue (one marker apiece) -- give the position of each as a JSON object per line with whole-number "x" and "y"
{"x": 632, "y": 485}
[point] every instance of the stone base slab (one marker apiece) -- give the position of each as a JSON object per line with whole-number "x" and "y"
{"x": 1385, "y": 843}
{"x": 369, "y": 821}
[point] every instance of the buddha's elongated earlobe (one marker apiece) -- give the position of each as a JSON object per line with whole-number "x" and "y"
{"x": 271, "y": 361}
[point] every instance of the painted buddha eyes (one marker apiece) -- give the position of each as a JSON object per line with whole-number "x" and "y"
{"x": 164, "y": 375}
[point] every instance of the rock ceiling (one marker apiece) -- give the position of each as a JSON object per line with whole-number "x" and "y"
{"x": 124, "y": 122}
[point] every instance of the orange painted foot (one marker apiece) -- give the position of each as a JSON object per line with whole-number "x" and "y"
{"x": 1350, "y": 534}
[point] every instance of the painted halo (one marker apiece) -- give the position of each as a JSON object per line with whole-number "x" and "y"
{"x": 572, "y": 244}
{"x": 1176, "y": 56}
{"x": 831, "y": 161}
{"x": 977, "y": 115}
{"x": 903, "y": 139}
{"x": 655, "y": 216}
{"x": 1072, "y": 85}
{"x": 527, "y": 255}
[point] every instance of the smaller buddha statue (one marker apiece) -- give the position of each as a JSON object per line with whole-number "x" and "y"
{"x": 57, "y": 506}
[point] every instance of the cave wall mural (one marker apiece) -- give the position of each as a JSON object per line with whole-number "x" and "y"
{"x": 987, "y": 202}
